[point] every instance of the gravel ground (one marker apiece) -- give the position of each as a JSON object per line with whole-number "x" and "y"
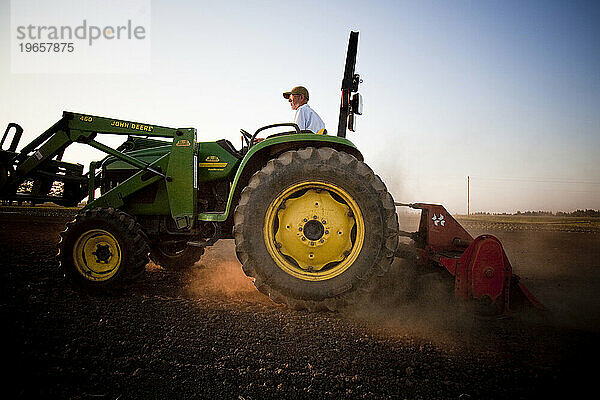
{"x": 206, "y": 333}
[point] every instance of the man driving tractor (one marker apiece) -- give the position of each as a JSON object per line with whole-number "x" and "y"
{"x": 306, "y": 118}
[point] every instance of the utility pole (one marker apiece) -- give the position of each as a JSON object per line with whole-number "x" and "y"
{"x": 468, "y": 194}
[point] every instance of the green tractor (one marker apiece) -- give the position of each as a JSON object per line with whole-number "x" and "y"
{"x": 313, "y": 225}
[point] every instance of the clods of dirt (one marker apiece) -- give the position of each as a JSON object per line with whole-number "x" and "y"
{"x": 206, "y": 333}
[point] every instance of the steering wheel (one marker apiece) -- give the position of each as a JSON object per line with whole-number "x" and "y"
{"x": 246, "y": 136}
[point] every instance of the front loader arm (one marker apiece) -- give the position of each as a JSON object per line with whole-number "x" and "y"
{"x": 82, "y": 128}
{"x": 42, "y": 156}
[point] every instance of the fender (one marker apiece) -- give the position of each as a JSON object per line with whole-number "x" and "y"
{"x": 269, "y": 148}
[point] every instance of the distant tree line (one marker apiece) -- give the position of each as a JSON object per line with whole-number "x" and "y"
{"x": 535, "y": 213}
{"x": 580, "y": 213}
{"x": 577, "y": 213}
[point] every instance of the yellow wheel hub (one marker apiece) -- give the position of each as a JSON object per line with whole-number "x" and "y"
{"x": 97, "y": 255}
{"x": 314, "y": 230}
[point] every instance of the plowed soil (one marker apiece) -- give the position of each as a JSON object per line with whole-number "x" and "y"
{"x": 207, "y": 333}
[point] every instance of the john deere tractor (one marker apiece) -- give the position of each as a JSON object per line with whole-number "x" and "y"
{"x": 313, "y": 225}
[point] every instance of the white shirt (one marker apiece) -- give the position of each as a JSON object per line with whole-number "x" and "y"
{"x": 307, "y": 119}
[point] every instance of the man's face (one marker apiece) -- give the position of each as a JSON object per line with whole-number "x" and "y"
{"x": 296, "y": 100}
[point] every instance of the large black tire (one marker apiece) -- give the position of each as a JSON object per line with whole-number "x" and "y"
{"x": 175, "y": 257}
{"x": 103, "y": 250}
{"x": 344, "y": 183}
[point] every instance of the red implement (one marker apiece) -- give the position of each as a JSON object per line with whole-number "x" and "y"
{"x": 482, "y": 273}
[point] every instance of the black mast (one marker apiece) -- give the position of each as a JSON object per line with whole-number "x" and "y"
{"x": 347, "y": 83}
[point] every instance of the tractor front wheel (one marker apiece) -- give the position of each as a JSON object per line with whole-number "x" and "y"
{"x": 314, "y": 228}
{"x": 103, "y": 250}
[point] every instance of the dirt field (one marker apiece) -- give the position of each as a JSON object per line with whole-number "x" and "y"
{"x": 206, "y": 333}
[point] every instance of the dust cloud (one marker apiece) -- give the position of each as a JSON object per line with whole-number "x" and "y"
{"x": 409, "y": 304}
{"x": 406, "y": 303}
{"x": 414, "y": 303}
{"x": 560, "y": 268}
{"x": 219, "y": 275}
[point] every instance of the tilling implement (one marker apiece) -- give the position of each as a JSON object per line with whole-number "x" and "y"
{"x": 313, "y": 225}
{"x": 482, "y": 273}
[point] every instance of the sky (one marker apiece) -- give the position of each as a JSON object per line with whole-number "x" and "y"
{"x": 507, "y": 93}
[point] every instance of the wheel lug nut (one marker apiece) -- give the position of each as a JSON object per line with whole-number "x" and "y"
{"x": 303, "y": 238}
{"x": 312, "y": 243}
{"x": 315, "y": 217}
{"x": 300, "y": 229}
{"x": 305, "y": 219}
{"x": 326, "y": 232}
{"x": 324, "y": 222}
{"x": 321, "y": 241}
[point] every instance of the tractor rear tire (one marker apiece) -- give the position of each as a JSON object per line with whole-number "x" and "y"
{"x": 175, "y": 257}
{"x": 314, "y": 228}
{"x": 103, "y": 250}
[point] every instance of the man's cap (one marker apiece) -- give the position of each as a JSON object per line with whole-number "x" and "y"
{"x": 297, "y": 90}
